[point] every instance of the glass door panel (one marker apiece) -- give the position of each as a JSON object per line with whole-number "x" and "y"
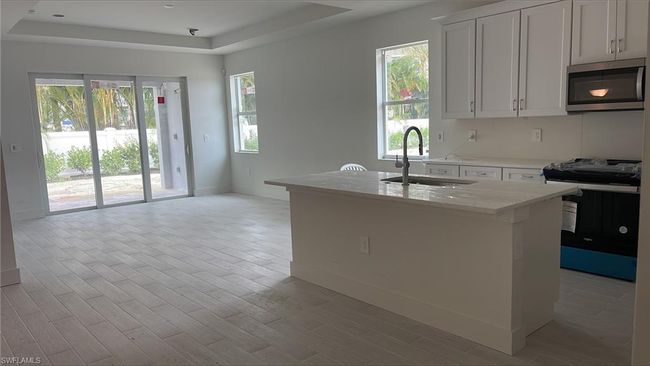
{"x": 65, "y": 137}
{"x": 118, "y": 142}
{"x": 163, "y": 115}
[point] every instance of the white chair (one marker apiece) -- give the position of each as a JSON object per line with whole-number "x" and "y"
{"x": 351, "y": 167}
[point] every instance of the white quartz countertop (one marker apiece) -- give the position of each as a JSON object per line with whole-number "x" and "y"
{"x": 484, "y": 196}
{"x": 495, "y": 162}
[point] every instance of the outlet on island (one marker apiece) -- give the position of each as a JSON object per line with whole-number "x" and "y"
{"x": 364, "y": 245}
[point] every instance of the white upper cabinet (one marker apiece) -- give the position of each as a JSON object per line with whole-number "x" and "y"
{"x": 458, "y": 72}
{"x": 497, "y": 65}
{"x": 631, "y": 28}
{"x": 606, "y": 30}
{"x": 544, "y": 57}
{"x": 594, "y": 31}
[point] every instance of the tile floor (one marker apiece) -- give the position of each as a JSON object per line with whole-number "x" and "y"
{"x": 205, "y": 281}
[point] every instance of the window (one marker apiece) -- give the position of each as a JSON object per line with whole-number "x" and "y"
{"x": 242, "y": 88}
{"x": 403, "y": 93}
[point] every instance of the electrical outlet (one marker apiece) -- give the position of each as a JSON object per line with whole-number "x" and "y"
{"x": 472, "y": 136}
{"x": 364, "y": 245}
{"x": 440, "y": 136}
{"x": 536, "y": 135}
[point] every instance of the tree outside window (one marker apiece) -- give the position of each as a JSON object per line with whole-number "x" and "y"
{"x": 245, "y": 114}
{"x": 405, "y": 96}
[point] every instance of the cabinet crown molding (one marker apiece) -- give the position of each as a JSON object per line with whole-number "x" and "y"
{"x": 491, "y": 9}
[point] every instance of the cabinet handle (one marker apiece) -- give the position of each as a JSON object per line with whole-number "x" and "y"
{"x": 611, "y": 46}
{"x": 620, "y": 45}
{"x": 471, "y": 106}
{"x": 521, "y": 104}
{"x": 514, "y": 105}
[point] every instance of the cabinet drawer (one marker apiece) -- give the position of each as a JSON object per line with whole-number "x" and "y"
{"x": 523, "y": 175}
{"x": 442, "y": 169}
{"x": 480, "y": 172}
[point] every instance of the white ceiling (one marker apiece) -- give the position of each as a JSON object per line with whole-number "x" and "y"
{"x": 211, "y": 17}
{"x": 224, "y": 25}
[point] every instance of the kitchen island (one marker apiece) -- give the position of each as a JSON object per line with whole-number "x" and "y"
{"x": 479, "y": 259}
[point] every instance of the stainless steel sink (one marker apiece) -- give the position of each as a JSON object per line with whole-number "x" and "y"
{"x": 429, "y": 181}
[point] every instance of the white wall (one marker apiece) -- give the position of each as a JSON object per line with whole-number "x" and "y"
{"x": 641, "y": 339}
{"x": 206, "y": 107}
{"x": 317, "y": 106}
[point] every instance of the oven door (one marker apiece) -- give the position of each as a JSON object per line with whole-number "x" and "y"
{"x": 615, "y": 85}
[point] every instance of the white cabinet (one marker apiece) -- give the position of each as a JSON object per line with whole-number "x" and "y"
{"x": 523, "y": 175}
{"x": 520, "y": 64}
{"x": 594, "y": 31}
{"x": 544, "y": 57}
{"x": 443, "y": 170}
{"x": 458, "y": 69}
{"x": 480, "y": 172}
{"x": 606, "y": 30}
{"x": 631, "y": 28}
{"x": 497, "y": 65}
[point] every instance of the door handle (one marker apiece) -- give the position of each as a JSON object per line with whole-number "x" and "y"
{"x": 639, "y": 83}
{"x": 514, "y": 105}
{"x": 471, "y": 106}
{"x": 187, "y": 150}
{"x": 611, "y": 46}
{"x": 521, "y": 104}
{"x": 620, "y": 47}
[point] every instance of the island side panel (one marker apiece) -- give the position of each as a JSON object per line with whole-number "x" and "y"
{"x": 541, "y": 286}
{"x": 446, "y": 268}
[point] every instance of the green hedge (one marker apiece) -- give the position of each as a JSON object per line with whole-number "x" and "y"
{"x": 54, "y": 164}
{"x": 80, "y": 159}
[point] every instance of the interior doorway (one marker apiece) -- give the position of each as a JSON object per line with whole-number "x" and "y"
{"x": 111, "y": 140}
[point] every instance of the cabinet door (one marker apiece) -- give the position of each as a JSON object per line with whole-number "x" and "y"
{"x": 523, "y": 175}
{"x": 442, "y": 169}
{"x": 480, "y": 172}
{"x": 631, "y": 29}
{"x": 458, "y": 72}
{"x": 594, "y": 31}
{"x": 544, "y": 57}
{"x": 497, "y": 65}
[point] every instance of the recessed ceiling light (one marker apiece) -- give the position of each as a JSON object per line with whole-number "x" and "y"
{"x": 168, "y": 6}
{"x": 58, "y": 15}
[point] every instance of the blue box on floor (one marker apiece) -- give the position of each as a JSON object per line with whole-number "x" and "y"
{"x": 600, "y": 263}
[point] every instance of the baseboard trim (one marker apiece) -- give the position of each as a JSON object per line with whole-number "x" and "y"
{"x": 10, "y": 277}
{"x": 490, "y": 335}
{"x": 27, "y": 214}
{"x": 207, "y": 191}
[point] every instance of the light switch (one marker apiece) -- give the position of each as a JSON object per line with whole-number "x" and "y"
{"x": 206, "y": 137}
{"x": 16, "y": 148}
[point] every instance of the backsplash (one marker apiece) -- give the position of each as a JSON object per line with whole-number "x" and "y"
{"x": 596, "y": 135}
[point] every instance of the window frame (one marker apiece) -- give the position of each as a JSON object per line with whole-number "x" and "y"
{"x": 383, "y": 103}
{"x": 235, "y": 95}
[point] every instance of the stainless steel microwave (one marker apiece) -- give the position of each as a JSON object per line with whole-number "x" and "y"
{"x": 603, "y": 86}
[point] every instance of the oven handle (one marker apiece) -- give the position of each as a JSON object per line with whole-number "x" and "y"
{"x": 639, "y": 83}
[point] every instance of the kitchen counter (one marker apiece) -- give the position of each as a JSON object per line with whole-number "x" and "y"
{"x": 492, "y": 197}
{"x": 477, "y": 260}
{"x": 494, "y": 162}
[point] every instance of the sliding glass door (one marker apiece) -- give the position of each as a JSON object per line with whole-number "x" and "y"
{"x": 118, "y": 140}
{"x": 163, "y": 115}
{"x": 66, "y": 142}
{"x": 111, "y": 140}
